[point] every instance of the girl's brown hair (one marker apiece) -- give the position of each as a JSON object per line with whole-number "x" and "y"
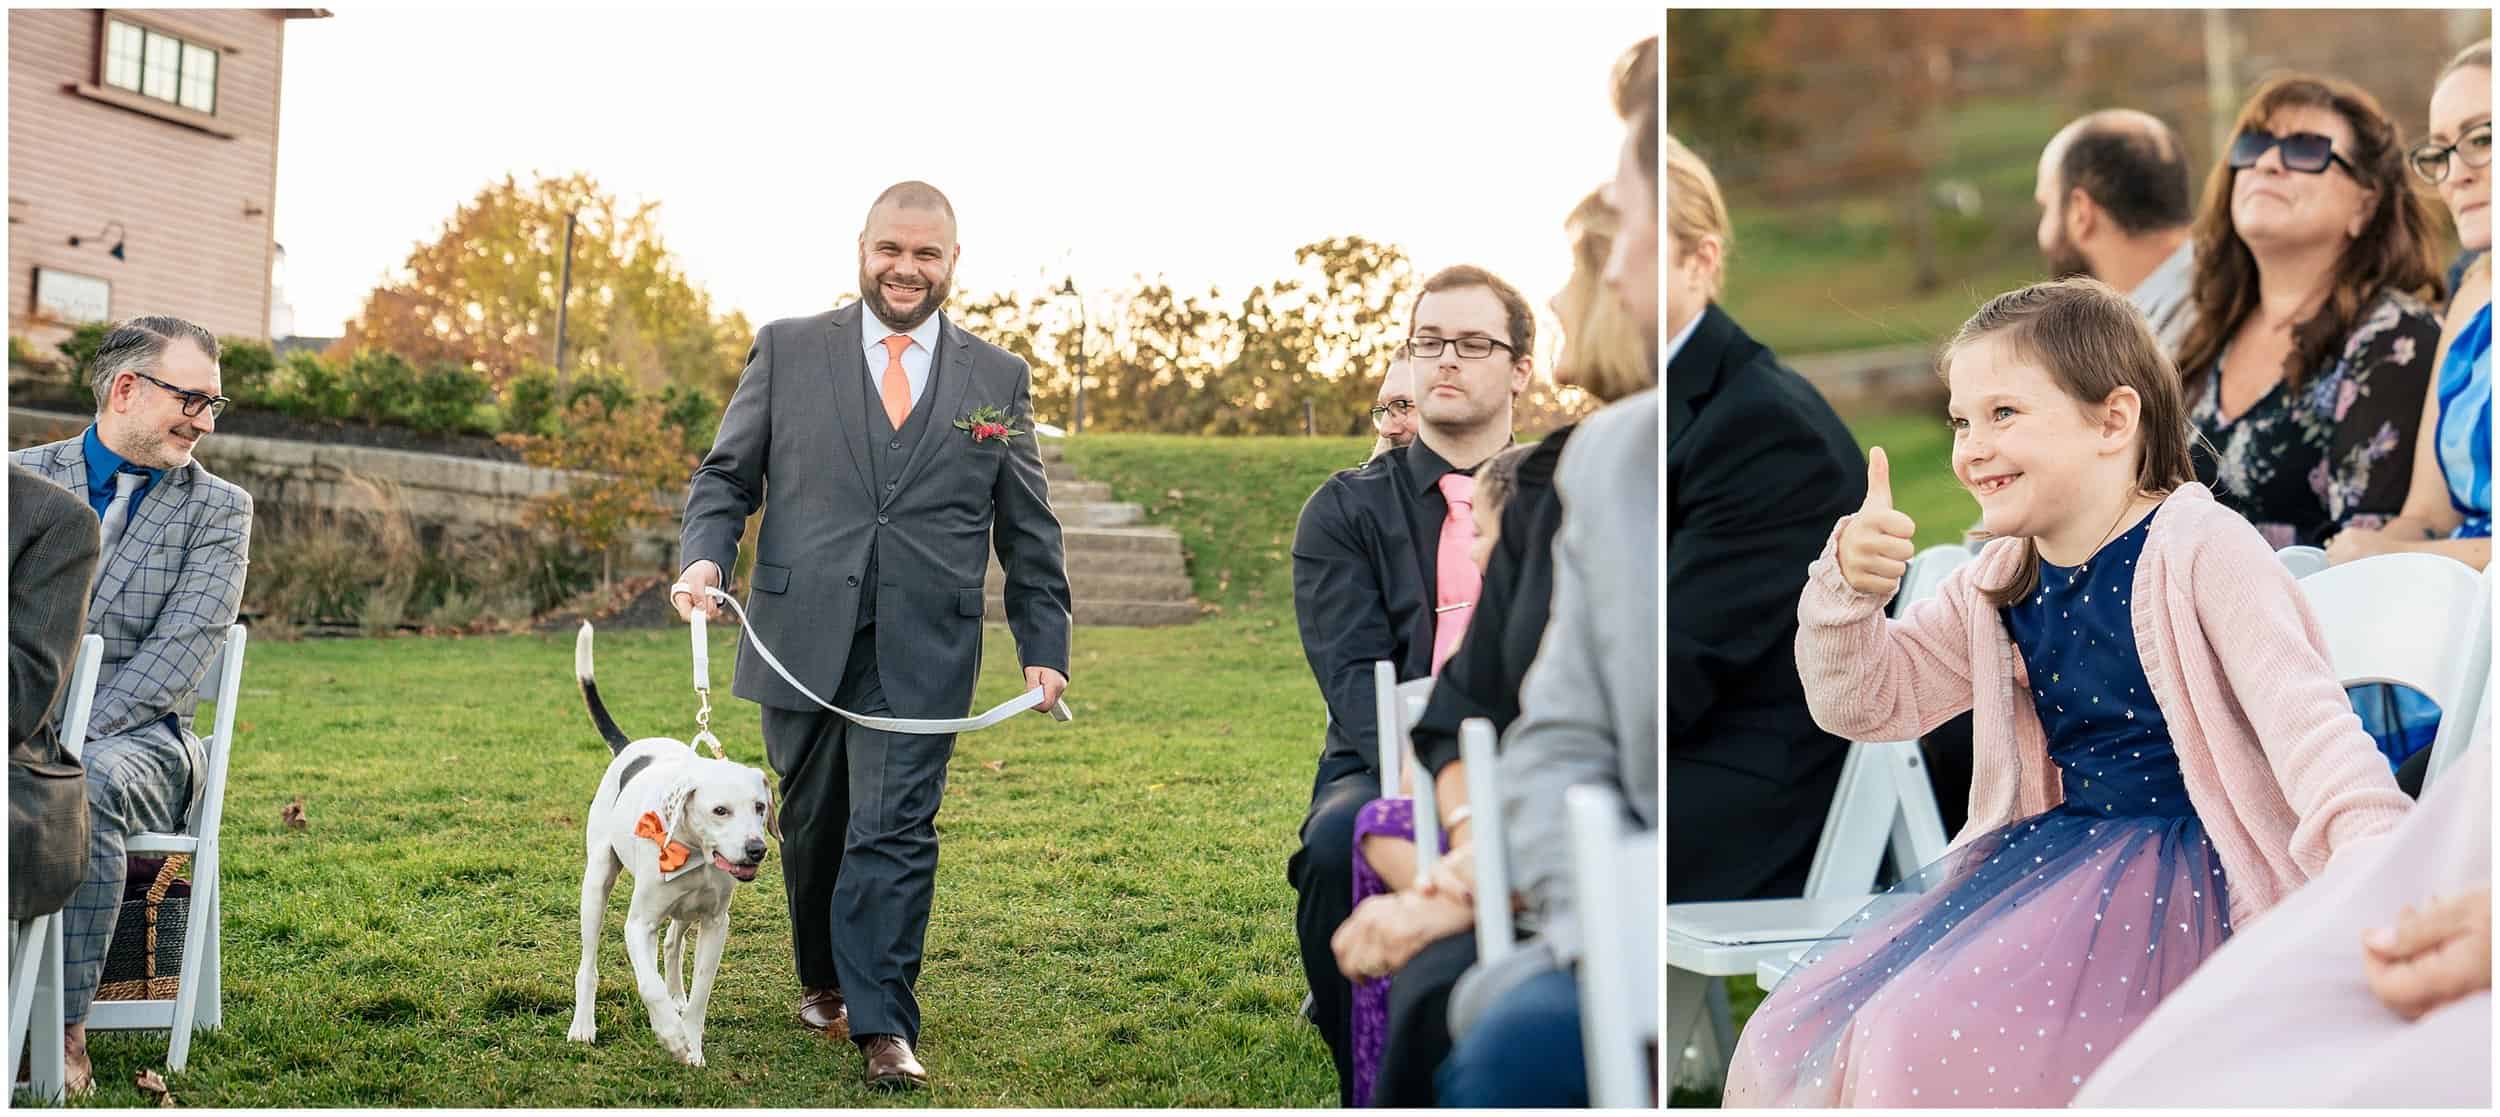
{"x": 2393, "y": 250}
{"x": 2092, "y": 342}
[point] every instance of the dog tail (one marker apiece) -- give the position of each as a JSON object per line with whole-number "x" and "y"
{"x": 590, "y": 693}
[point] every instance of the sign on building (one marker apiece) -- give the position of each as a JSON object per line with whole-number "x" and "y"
{"x": 71, "y": 298}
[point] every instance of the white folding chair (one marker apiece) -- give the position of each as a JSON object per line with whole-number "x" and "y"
{"x": 35, "y": 1007}
{"x": 198, "y": 1002}
{"x": 2414, "y": 620}
{"x": 2448, "y": 746}
{"x": 1495, "y": 935}
{"x": 1396, "y": 708}
{"x": 2302, "y": 561}
{"x": 1614, "y": 871}
{"x": 1883, "y": 804}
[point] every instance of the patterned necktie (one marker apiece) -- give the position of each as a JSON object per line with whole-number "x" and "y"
{"x": 1454, "y": 573}
{"x": 895, "y": 386}
{"x": 117, "y": 514}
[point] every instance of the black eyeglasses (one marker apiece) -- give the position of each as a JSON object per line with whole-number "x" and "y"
{"x": 192, "y": 401}
{"x": 1472, "y": 347}
{"x": 2306, "y": 152}
{"x": 1398, "y": 407}
{"x": 2430, "y": 160}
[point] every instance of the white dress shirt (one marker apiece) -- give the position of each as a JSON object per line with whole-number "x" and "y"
{"x": 872, "y": 335}
{"x": 1675, "y": 344}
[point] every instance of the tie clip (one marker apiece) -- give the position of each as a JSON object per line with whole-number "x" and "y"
{"x": 1455, "y": 608}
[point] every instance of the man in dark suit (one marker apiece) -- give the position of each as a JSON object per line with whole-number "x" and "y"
{"x": 868, "y": 587}
{"x": 1758, "y": 470}
{"x": 1369, "y": 556}
{"x": 52, "y": 556}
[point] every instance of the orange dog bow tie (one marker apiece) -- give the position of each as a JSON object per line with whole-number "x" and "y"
{"x": 673, "y": 855}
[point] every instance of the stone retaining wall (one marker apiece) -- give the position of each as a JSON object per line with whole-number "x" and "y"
{"x": 442, "y": 493}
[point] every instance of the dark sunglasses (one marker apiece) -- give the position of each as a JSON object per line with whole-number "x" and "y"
{"x": 2306, "y": 152}
{"x": 192, "y": 402}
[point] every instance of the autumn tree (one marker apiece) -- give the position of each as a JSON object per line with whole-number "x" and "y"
{"x": 483, "y": 294}
{"x": 626, "y": 461}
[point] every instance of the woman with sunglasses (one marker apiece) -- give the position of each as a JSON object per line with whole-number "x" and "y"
{"x": 2311, "y": 352}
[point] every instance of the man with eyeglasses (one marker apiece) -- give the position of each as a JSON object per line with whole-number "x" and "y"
{"x": 1380, "y": 571}
{"x": 2115, "y": 205}
{"x": 1393, "y": 410}
{"x": 174, "y": 539}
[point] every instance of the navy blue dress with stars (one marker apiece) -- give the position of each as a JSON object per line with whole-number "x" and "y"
{"x": 2005, "y": 972}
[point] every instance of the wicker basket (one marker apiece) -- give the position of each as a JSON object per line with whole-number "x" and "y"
{"x": 145, "y": 960}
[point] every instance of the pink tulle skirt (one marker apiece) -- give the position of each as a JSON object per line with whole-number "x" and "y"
{"x": 2001, "y": 975}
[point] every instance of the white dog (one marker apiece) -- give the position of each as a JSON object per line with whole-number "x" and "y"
{"x": 691, "y": 828}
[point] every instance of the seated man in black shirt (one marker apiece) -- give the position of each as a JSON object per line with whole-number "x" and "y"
{"x": 1367, "y": 560}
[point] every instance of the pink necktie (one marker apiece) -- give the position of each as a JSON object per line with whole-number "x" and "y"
{"x": 896, "y": 385}
{"x": 1454, "y": 573}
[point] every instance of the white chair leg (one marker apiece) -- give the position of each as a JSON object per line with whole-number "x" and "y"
{"x": 213, "y": 993}
{"x": 25, "y": 939}
{"x": 46, "y": 1030}
{"x": 194, "y": 955}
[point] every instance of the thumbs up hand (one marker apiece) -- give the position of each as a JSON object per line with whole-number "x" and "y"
{"x": 1875, "y": 549}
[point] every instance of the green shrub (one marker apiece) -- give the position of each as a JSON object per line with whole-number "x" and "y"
{"x": 529, "y": 401}
{"x": 81, "y": 345}
{"x": 381, "y": 387}
{"x": 612, "y": 392}
{"x": 246, "y": 369}
{"x": 447, "y": 398}
{"x": 694, "y": 413}
{"x": 311, "y": 388}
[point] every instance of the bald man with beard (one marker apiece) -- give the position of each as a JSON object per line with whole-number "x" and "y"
{"x": 2115, "y": 204}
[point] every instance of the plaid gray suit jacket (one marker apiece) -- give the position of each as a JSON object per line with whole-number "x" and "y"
{"x": 164, "y": 596}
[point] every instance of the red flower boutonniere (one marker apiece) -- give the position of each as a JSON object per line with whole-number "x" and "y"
{"x": 986, "y": 423}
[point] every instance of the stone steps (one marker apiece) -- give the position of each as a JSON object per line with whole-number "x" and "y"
{"x": 1121, "y": 570}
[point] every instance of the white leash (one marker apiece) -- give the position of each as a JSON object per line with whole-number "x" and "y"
{"x": 1031, "y": 699}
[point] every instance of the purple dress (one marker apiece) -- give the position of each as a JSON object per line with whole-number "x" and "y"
{"x": 2003, "y": 974}
{"x": 1387, "y": 818}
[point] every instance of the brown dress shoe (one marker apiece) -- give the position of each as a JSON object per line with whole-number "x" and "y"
{"x": 891, "y": 1065}
{"x": 822, "y": 1010}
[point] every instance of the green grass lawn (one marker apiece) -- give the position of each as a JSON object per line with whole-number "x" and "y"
{"x": 1837, "y": 274}
{"x": 1112, "y": 923}
{"x": 1234, "y": 501}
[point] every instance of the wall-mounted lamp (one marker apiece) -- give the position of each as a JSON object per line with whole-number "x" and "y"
{"x": 119, "y": 239}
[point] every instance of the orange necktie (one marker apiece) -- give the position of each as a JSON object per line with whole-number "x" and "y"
{"x": 894, "y": 386}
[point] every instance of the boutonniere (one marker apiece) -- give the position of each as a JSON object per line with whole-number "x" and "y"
{"x": 986, "y": 423}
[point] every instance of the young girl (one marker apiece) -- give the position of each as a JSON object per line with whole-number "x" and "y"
{"x": 2162, "y": 750}
{"x": 1384, "y": 831}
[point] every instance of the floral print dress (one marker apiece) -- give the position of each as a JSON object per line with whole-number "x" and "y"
{"x": 2336, "y": 453}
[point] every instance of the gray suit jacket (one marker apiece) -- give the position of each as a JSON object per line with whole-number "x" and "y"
{"x": 1588, "y": 710}
{"x": 794, "y": 442}
{"x": 164, "y": 597}
{"x": 52, "y": 553}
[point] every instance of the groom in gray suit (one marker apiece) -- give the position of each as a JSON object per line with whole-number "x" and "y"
{"x": 174, "y": 539}
{"x": 891, "y": 451}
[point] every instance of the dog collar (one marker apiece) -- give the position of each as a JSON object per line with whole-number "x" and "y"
{"x": 676, "y": 859}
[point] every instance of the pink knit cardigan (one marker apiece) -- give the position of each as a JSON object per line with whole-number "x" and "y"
{"x": 2276, "y": 764}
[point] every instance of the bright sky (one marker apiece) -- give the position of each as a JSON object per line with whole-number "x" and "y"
{"x": 1200, "y": 146}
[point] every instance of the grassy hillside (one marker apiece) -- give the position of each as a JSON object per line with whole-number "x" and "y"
{"x": 1234, "y": 501}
